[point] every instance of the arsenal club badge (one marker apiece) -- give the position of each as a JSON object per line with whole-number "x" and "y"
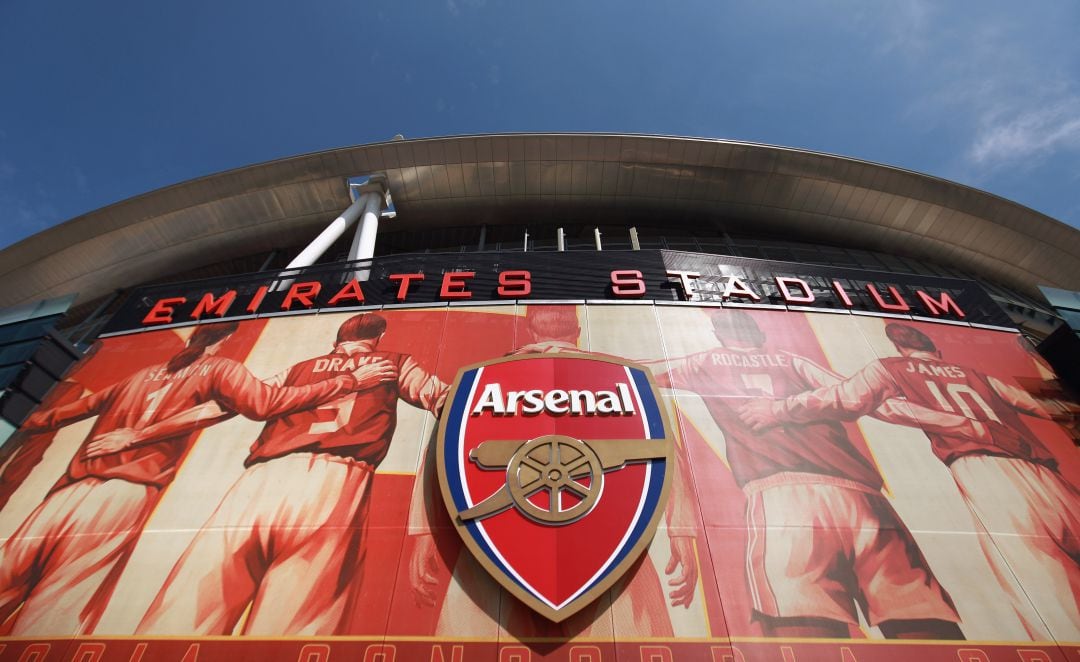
{"x": 555, "y": 469}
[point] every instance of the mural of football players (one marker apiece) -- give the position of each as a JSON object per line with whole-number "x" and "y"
{"x": 1008, "y": 478}
{"x": 639, "y": 604}
{"x": 23, "y": 451}
{"x": 60, "y": 567}
{"x": 288, "y": 539}
{"x": 821, "y": 536}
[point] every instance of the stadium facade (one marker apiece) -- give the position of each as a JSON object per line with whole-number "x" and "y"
{"x": 575, "y": 397}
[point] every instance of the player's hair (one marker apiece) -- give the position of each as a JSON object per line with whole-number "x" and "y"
{"x": 204, "y": 336}
{"x": 736, "y": 325}
{"x": 909, "y": 337}
{"x": 552, "y": 322}
{"x": 361, "y": 327}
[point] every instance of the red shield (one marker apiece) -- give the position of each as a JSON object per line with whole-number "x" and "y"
{"x": 555, "y": 469}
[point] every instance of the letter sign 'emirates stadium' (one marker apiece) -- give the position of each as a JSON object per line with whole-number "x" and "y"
{"x": 555, "y": 470}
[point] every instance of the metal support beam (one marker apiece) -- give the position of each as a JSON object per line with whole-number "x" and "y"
{"x": 91, "y": 323}
{"x": 560, "y": 239}
{"x": 370, "y": 196}
{"x": 328, "y": 236}
{"x": 374, "y": 196}
{"x": 596, "y": 238}
{"x": 635, "y": 244}
{"x": 269, "y": 260}
{"x": 363, "y": 245}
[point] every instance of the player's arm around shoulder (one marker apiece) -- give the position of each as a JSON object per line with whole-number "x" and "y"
{"x": 184, "y": 422}
{"x": 234, "y": 387}
{"x": 187, "y": 421}
{"x": 72, "y": 412}
{"x": 1018, "y": 398}
{"x": 420, "y": 388}
{"x": 848, "y": 399}
{"x": 892, "y": 410}
{"x": 812, "y": 374}
{"x": 682, "y": 369}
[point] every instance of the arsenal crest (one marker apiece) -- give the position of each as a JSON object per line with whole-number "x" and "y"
{"x": 555, "y": 468}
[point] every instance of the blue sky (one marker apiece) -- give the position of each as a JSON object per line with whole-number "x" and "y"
{"x": 105, "y": 100}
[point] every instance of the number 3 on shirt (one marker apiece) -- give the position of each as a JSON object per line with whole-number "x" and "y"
{"x": 341, "y": 411}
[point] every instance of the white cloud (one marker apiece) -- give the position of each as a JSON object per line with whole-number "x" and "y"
{"x": 1029, "y": 132}
{"x": 1000, "y": 79}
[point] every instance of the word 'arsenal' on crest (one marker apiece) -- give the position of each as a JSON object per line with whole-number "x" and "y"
{"x": 576, "y": 402}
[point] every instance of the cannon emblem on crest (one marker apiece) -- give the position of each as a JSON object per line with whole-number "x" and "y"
{"x": 570, "y": 471}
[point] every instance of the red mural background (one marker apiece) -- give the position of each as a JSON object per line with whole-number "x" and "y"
{"x": 842, "y": 523}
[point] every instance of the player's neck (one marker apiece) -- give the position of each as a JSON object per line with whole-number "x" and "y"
{"x": 925, "y": 356}
{"x": 556, "y": 342}
{"x": 743, "y": 349}
{"x": 357, "y": 347}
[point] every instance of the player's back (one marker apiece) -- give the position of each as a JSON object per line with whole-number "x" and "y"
{"x": 150, "y": 395}
{"x": 955, "y": 389}
{"x": 727, "y": 378}
{"x": 358, "y": 425}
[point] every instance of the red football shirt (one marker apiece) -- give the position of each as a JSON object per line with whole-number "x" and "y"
{"x": 358, "y": 425}
{"x": 944, "y": 386}
{"x": 154, "y": 394}
{"x": 941, "y": 389}
{"x": 727, "y": 378}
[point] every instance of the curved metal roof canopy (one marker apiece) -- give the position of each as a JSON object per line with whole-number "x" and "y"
{"x": 607, "y": 179}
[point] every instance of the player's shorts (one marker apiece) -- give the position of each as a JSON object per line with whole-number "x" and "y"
{"x": 16, "y": 469}
{"x": 1033, "y": 517}
{"x": 817, "y": 546}
{"x": 291, "y": 531}
{"x": 64, "y": 561}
